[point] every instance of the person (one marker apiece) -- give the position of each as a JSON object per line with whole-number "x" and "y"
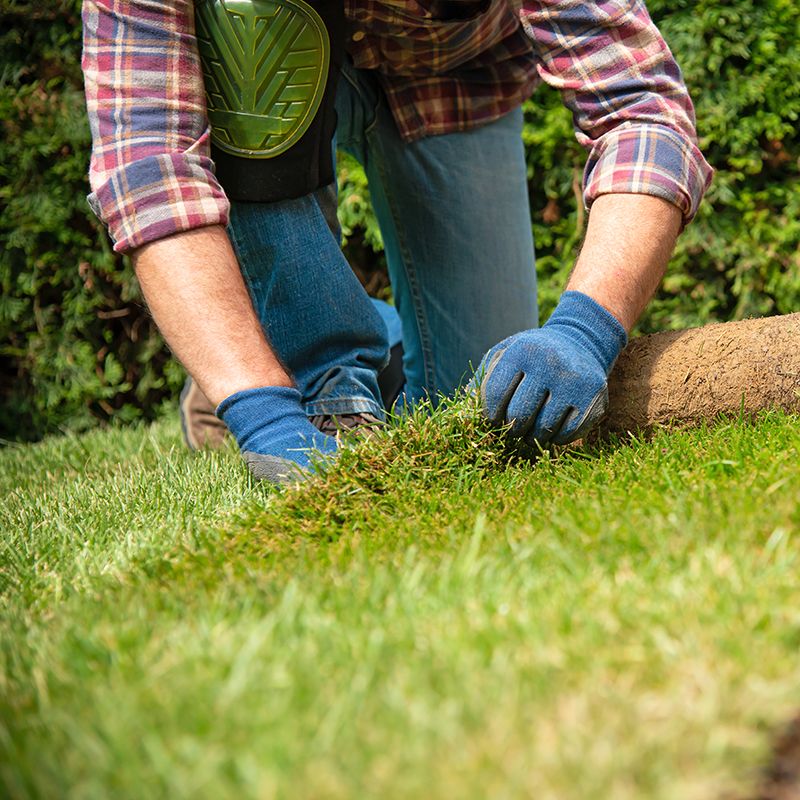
{"x": 241, "y": 267}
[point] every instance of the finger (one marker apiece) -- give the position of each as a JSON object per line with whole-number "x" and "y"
{"x": 484, "y": 368}
{"x": 578, "y": 425}
{"x": 497, "y": 394}
{"x": 525, "y": 406}
{"x": 550, "y": 422}
{"x": 487, "y": 367}
{"x": 497, "y": 385}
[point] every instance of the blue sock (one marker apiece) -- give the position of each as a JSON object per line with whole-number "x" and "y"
{"x": 270, "y": 421}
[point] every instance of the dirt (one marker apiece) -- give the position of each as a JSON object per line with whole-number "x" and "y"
{"x": 781, "y": 777}
{"x": 685, "y": 377}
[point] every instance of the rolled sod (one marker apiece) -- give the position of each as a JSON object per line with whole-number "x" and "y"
{"x": 690, "y": 376}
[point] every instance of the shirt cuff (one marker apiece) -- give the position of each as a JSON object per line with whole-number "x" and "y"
{"x": 648, "y": 159}
{"x": 158, "y": 196}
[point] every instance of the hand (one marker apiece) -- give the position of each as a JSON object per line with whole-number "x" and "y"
{"x": 550, "y": 384}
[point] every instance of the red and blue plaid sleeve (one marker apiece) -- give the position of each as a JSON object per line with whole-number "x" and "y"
{"x": 151, "y": 174}
{"x": 630, "y": 106}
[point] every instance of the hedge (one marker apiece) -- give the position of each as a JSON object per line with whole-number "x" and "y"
{"x": 77, "y": 346}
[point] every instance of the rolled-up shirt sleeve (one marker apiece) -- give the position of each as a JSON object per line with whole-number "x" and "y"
{"x": 150, "y": 173}
{"x": 630, "y": 106}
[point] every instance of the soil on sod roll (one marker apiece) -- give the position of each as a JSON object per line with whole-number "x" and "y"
{"x": 781, "y": 778}
{"x": 686, "y": 377}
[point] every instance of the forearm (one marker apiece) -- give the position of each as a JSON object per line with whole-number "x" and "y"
{"x": 195, "y": 291}
{"x": 628, "y": 244}
{"x": 550, "y": 385}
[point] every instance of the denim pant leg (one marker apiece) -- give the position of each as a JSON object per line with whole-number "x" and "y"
{"x": 455, "y": 218}
{"x": 317, "y": 317}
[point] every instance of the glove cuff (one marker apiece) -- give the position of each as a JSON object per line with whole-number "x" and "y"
{"x": 590, "y": 326}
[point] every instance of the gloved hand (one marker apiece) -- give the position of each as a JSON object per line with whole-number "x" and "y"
{"x": 551, "y": 382}
{"x": 273, "y": 433}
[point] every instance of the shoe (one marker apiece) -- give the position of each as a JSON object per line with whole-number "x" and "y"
{"x": 201, "y": 426}
{"x": 361, "y": 425}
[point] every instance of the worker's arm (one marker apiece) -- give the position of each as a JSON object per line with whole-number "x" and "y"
{"x": 643, "y": 181}
{"x": 628, "y": 243}
{"x": 550, "y": 384}
{"x": 630, "y": 107}
{"x": 153, "y": 185}
{"x": 151, "y": 172}
{"x": 195, "y": 291}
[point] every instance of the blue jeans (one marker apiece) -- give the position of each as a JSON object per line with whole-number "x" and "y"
{"x": 454, "y": 214}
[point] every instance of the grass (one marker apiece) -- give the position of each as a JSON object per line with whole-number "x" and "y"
{"x": 432, "y": 617}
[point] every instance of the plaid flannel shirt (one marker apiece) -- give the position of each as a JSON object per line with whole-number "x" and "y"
{"x": 445, "y": 65}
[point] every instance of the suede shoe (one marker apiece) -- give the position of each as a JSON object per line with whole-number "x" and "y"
{"x": 347, "y": 426}
{"x": 201, "y": 426}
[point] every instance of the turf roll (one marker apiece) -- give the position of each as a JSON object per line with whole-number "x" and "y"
{"x": 690, "y": 376}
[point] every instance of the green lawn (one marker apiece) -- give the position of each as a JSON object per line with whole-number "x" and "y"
{"x": 427, "y": 620}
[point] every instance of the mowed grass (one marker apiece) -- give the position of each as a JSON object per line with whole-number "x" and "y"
{"x": 431, "y": 618}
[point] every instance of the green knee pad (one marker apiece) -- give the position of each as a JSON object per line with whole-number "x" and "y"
{"x": 270, "y": 69}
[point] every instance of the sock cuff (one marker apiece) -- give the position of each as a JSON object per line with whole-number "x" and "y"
{"x": 280, "y": 399}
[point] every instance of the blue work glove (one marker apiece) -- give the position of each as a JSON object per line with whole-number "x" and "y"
{"x": 551, "y": 383}
{"x": 274, "y": 434}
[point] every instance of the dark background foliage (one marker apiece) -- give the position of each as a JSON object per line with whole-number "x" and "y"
{"x": 77, "y": 346}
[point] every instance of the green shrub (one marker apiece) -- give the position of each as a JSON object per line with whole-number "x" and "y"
{"x": 741, "y": 257}
{"x": 76, "y": 346}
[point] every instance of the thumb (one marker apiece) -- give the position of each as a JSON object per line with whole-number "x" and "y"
{"x": 487, "y": 370}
